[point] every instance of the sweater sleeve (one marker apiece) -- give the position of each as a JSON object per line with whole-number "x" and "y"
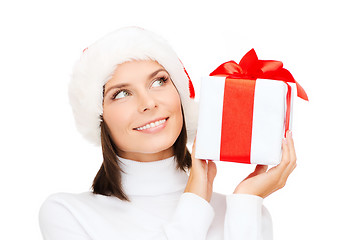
{"x": 246, "y": 218}
{"x": 191, "y": 220}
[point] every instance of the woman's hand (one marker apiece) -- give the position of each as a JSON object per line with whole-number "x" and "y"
{"x": 201, "y": 176}
{"x": 262, "y": 182}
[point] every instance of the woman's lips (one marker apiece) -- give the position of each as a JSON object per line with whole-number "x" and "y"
{"x": 159, "y": 125}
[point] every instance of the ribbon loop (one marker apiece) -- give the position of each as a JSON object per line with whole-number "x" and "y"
{"x": 250, "y": 67}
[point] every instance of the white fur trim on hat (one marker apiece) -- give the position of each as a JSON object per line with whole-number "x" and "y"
{"x": 98, "y": 63}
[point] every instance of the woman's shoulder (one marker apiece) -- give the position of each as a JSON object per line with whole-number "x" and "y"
{"x": 78, "y": 200}
{"x": 78, "y": 203}
{"x": 69, "y": 207}
{"x": 69, "y": 195}
{"x": 61, "y": 201}
{"x": 65, "y": 197}
{"x": 65, "y": 213}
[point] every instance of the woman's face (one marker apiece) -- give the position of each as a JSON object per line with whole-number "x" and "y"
{"x": 142, "y": 109}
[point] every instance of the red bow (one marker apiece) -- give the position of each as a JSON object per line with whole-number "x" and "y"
{"x": 250, "y": 67}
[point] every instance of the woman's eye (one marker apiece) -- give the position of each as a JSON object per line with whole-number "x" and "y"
{"x": 120, "y": 94}
{"x": 160, "y": 81}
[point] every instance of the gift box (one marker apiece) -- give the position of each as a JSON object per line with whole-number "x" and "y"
{"x": 245, "y": 111}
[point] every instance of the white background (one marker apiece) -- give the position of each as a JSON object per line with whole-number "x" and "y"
{"x": 42, "y": 152}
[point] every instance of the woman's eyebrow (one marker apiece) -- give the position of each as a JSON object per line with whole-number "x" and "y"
{"x": 156, "y": 72}
{"x": 120, "y": 85}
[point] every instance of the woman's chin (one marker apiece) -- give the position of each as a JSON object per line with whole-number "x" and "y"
{"x": 158, "y": 150}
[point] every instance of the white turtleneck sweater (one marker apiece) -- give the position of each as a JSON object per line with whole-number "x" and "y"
{"x": 159, "y": 210}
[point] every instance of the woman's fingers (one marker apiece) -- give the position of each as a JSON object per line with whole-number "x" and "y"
{"x": 211, "y": 174}
{"x": 292, "y": 158}
{"x": 260, "y": 169}
{"x": 193, "y": 148}
{"x": 288, "y": 162}
{"x": 285, "y": 159}
{"x": 212, "y": 171}
{"x": 291, "y": 150}
{"x": 196, "y": 163}
{"x": 291, "y": 146}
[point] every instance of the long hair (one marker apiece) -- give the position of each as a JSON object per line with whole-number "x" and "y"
{"x": 108, "y": 179}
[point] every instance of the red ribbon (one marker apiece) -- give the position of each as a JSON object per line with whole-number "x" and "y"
{"x": 251, "y": 68}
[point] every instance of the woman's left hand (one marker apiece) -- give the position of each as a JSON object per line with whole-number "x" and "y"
{"x": 262, "y": 182}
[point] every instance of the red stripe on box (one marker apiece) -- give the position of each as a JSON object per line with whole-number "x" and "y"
{"x": 237, "y": 120}
{"x": 287, "y": 114}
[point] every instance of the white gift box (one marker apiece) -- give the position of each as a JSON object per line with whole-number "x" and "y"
{"x": 242, "y": 120}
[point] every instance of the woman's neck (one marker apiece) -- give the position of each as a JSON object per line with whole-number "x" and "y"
{"x": 152, "y": 178}
{"x": 147, "y": 157}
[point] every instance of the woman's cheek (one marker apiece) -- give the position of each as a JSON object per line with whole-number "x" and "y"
{"x": 174, "y": 97}
{"x": 115, "y": 117}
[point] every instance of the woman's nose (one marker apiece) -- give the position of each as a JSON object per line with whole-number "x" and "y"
{"x": 146, "y": 102}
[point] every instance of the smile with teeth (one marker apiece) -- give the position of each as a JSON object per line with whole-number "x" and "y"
{"x": 152, "y": 124}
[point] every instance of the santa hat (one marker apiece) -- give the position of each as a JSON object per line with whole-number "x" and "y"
{"x": 98, "y": 63}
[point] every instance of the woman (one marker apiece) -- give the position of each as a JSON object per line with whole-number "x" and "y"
{"x": 130, "y": 93}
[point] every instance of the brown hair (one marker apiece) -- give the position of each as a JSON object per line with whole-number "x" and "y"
{"x": 108, "y": 179}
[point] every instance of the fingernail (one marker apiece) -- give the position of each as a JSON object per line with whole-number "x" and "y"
{"x": 290, "y": 133}
{"x": 284, "y": 140}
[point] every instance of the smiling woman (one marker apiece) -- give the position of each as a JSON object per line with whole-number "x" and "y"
{"x": 148, "y": 99}
{"x": 131, "y": 95}
{"x": 152, "y": 123}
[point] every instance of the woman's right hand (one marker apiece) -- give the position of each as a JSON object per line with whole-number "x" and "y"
{"x": 202, "y": 174}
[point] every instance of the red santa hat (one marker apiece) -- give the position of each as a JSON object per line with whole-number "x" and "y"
{"x": 98, "y": 63}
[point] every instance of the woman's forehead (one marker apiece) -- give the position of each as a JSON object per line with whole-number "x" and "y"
{"x": 136, "y": 71}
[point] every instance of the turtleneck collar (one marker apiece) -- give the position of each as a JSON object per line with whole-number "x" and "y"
{"x": 152, "y": 178}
